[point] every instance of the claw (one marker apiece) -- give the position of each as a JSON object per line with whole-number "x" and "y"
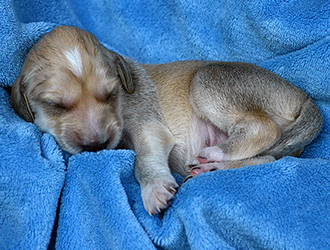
{"x": 172, "y": 190}
{"x": 196, "y": 171}
{"x": 192, "y": 165}
{"x": 163, "y": 202}
{"x": 187, "y": 178}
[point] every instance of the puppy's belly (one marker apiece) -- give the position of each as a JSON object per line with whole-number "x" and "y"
{"x": 199, "y": 135}
{"x": 202, "y": 134}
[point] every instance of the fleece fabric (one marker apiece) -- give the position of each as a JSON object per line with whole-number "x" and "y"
{"x": 49, "y": 200}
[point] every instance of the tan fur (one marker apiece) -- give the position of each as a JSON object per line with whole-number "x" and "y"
{"x": 173, "y": 82}
{"x": 187, "y": 117}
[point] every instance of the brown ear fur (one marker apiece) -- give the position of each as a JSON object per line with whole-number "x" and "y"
{"x": 19, "y": 99}
{"x": 122, "y": 68}
{"x": 124, "y": 74}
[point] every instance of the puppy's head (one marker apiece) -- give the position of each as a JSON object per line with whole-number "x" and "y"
{"x": 70, "y": 86}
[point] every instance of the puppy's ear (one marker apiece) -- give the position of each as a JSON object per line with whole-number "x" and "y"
{"x": 19, "y": 99}
{"x": 122, "y": 68}
{"x": 124, "y": 74}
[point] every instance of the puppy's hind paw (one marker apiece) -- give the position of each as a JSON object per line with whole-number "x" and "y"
{"x": 210, "y": 155}
{"x": 204, "y": 168}
{"x": 157, "y": 195}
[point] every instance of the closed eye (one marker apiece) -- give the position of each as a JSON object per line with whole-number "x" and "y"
{"x": 54, "y": 108}
{"x": 112, "y": 95}
{"x": 58, "y": 105}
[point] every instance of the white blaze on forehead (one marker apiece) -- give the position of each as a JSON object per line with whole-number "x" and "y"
{"x": 74, "y": 57}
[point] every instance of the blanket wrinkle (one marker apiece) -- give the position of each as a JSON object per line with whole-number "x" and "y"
{"x": 279, "y": 205}
{"x": 30, "y": 183}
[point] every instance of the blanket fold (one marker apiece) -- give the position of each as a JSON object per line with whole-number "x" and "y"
{"x": 31, "y": 180}
{"x": 280, "y": 205}
{"x": 94, "y": 204}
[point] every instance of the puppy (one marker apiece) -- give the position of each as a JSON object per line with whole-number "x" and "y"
{"x": 189, "y": 116}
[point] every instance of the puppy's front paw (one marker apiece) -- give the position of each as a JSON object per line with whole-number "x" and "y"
{"x": 157, "y": 194}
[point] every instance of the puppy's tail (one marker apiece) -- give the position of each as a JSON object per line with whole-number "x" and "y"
{"x": 300, "y": 133}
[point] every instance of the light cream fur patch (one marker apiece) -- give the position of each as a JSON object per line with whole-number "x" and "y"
{"x": 74, "y": 57}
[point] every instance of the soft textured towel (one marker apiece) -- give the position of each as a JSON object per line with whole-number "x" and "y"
{"x": 49, "y": 199}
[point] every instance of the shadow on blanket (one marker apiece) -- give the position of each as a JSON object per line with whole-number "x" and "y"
{"x": 280, "y": 205}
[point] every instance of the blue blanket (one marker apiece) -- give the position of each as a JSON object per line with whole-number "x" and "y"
{"x": 92, "y": 200}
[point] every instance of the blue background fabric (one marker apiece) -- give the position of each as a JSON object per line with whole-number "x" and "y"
{"x": 280, "y": 205}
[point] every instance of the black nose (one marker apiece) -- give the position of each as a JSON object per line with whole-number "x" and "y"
{"x": 95, "y": 146}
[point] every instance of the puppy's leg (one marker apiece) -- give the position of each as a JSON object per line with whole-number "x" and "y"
{"x": 232, "y": 98}
{"x": 153, "y": 143}
{"x": 248, "y": 137}
{"x": 300, "y": 133}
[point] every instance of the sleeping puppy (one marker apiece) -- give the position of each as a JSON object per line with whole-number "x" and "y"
{"x": 186, "y": 117}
